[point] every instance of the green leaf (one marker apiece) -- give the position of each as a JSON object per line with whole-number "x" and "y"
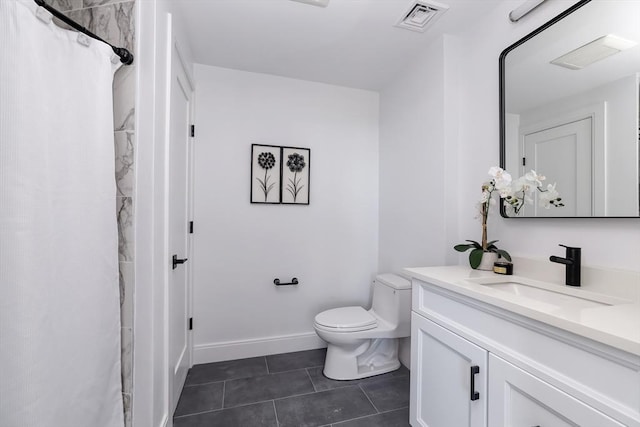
{"x": 492, "y": 242}
{"x": 475, "y": 244}
{"x": 475, "y": 257}
{"x": 504, "y": 254}
{"x": 462, "y": 248}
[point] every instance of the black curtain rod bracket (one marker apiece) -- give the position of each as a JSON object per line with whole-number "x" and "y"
{"x": 126, "y": 57}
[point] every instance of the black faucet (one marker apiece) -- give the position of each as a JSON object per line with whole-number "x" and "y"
{"x": 572, "y": 262}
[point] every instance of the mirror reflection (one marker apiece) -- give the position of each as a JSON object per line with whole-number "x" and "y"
{"x": 570, "y": 109}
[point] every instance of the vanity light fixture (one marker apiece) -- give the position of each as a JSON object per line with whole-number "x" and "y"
{"x": 517, "y": 14}
{"x": 321, "y": 3}
{"x": 420, "y": 15}
{"x": 593, "y": 51}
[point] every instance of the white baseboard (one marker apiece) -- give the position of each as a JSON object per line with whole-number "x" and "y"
{"x": 241, "y": 349}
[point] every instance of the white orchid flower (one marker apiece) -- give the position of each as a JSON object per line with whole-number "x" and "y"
{"x": 494, "y": 171}
{"x": 534, "y": 178}
{"x": 521, "y": 184}
{"x": 547, "y": 196}
{"x": 503, "y": 185}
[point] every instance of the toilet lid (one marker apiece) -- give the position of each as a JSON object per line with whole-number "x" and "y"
{"x": 347, "y": 317}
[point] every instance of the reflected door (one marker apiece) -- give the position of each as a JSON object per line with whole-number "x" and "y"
{"x": 563, "y": 154}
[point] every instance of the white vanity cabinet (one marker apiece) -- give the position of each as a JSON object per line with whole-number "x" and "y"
{"x": 528, "y": 373}
{"x": 448, "y": 377}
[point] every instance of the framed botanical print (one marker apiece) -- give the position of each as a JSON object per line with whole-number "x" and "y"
{"x": 265, "y": 173}
{"x": 295, "y": 175}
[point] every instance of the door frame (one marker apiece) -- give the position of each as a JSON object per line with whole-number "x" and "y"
{"x": 150, "y": 398}
{"x": 598, "y": 115}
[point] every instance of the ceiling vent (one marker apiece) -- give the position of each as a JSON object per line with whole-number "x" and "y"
{"x": 594, "y": 51}
{"x": 420, "y": 15}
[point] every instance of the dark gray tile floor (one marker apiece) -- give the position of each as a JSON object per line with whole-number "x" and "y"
{"x": 289, "y": 390}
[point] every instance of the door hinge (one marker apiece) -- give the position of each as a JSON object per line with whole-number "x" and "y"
{"x": 524, "y": 161}
{"x": 193, "y": 131}
{"x": 191, "y": 323}
{"x": 190, "y": 227}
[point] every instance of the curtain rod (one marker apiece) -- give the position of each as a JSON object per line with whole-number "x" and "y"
{"x": 126, "y": 57}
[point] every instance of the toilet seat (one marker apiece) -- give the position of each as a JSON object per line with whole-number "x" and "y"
{"x": 346, "y": 319}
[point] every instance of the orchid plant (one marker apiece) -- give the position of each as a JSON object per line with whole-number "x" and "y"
{"x": 514, "y": 195}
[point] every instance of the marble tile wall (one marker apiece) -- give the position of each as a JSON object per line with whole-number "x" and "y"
{"x": 114, "y": 20}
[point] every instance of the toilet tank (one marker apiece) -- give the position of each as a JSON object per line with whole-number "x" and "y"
{"x": 392, "y": 299}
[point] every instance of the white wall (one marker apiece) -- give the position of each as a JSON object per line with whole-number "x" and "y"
{"x": 412, "y": 164}
{"x": 331, "y": 245}
{"x": 613, "y": 243}
{"x": 418, "y": 166}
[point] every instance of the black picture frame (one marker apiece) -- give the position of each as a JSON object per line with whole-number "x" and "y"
{"x": 266, "y": 174}
{"x": 295, "y": 176}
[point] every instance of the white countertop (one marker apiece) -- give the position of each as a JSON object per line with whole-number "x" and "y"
{"x": 615, "y": 325}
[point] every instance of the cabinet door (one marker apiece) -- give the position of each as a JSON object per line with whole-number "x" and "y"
{"x": 448, "y": 378}
{"x": 518, "y": 399}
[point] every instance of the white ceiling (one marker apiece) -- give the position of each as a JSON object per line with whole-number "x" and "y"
{"x": 349, "y": 43}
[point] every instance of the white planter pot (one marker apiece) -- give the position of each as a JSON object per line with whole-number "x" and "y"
{"x": 488, "y": 258}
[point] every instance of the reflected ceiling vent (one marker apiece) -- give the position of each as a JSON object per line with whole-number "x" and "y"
{"x": 421, "y": 14}
{"x": 594, "y": 51}
{"x": 321, "y": 3}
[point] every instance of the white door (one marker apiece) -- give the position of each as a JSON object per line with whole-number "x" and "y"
{"x": 517, "y": 399}
{"x": 563, "y": 154}
{"x": 179, "y": 149}
{"x": 448, "y": 378}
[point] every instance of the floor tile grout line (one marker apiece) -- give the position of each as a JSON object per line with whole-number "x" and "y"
{"x": 304, "y": 394}
{"x": 297, "y": 369}
{"x": 224, "y": 391}
{"x": 370, "y": 415}
{"x": 275, "y": 411}
{"x": 222, "y": 409}
{"x": 368, "y": 398}
{"x": 196, "y": 413}
{"x": 311, "y": 379}
{"x": 266, "y": 363}
{"x": 207, "y": 383}
{"x": 394, "y": 409}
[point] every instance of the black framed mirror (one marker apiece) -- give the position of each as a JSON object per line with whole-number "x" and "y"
{"x": 569, "y": 109}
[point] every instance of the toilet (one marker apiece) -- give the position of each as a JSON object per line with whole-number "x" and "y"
{"x": 363, "y": 343}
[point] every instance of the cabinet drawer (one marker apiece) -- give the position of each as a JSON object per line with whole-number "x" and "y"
{"x": 518, "y": 399}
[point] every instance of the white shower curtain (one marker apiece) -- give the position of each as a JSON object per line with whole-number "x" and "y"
{"x": 59, "y": 298}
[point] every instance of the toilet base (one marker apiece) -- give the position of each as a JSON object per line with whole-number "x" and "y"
{"x": 365, "y": 358}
